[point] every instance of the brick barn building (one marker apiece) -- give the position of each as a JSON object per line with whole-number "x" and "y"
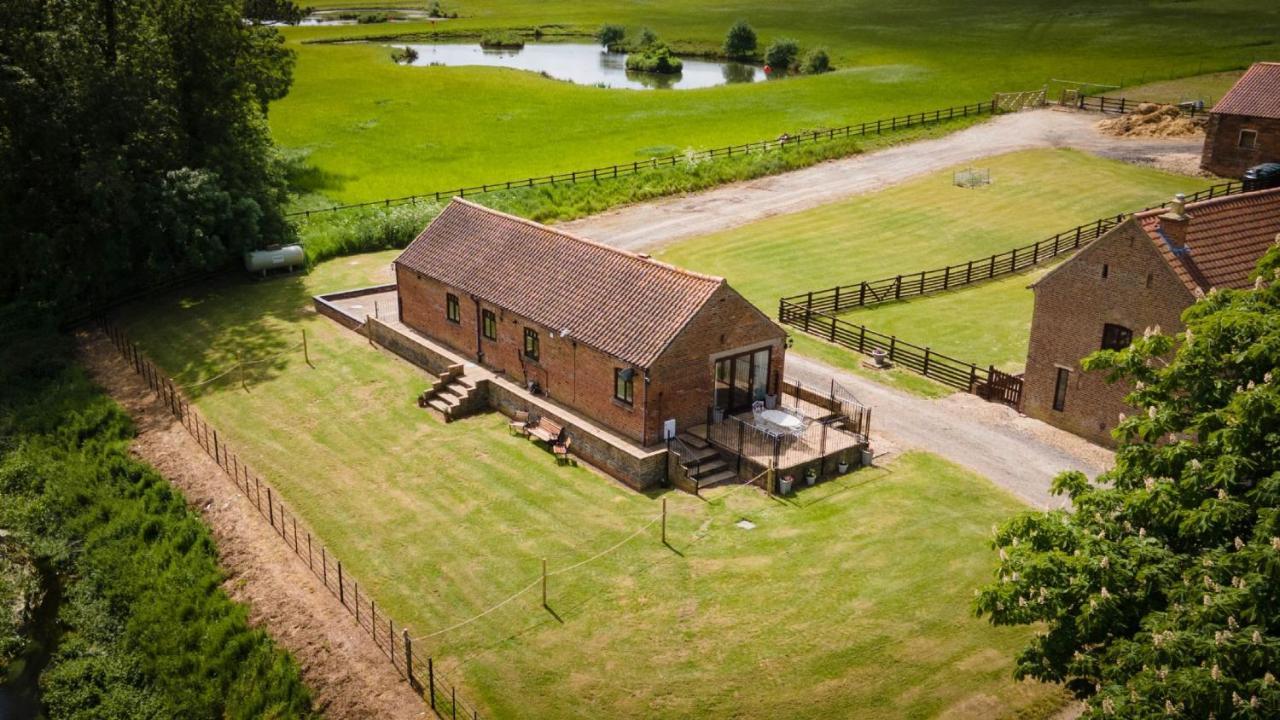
{"x": 621, "y": 338}
{"x": 1142, "y": 274}
{"x": 1244, "y": 127}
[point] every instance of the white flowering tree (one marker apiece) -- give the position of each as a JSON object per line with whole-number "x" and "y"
{"x": 1158, "y": 594}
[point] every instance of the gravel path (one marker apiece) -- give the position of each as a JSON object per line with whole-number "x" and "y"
{"x": 1017, "y": 453}
{"x": 645, "y": 226}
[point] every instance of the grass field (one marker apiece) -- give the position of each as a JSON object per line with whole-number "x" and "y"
{"x": 849, "y": 599}
{"x": 1209, "y": 87}
{"x": 928, "y": 223}
{"x": 372, "y": 129}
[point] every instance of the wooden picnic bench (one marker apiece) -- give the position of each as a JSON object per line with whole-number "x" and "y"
{"x": 546, "y": 430}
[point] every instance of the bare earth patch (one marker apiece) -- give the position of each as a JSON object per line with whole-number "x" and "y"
{"x": 348, "y": 675}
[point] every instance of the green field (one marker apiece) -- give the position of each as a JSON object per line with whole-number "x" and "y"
{"x": 1209, "y": 87}
{"x": 372, "y": 129}
{"x": 928, "y": 223}
{"x": 849, "y": 599}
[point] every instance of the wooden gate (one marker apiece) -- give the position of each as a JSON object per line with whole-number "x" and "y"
{"x": 1001, "y": 387}
{"x": 1015, "y": 101}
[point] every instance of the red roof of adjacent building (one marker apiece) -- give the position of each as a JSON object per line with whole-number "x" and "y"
{"x": 1256, "y": 94}
{"x": 626, "y": 305}
{"x": 1225, "y": 238}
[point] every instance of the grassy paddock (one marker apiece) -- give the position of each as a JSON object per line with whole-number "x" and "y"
{"x": 852, "y": 598}
{"x": 345, "y": 232}
{"x": 928, "y": 223}
{"x": 372, "y": 129}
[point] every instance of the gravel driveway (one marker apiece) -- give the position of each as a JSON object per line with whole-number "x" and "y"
{"x": 645, "y": 226}
{"x": 1017, "y": 453}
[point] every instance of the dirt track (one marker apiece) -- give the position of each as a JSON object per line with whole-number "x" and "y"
{"x": 645, "y": 226}
{"x": 349, "y": 676}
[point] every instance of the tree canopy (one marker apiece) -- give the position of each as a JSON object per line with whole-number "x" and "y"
{"x": 133, "y": 142}
{"x": 1159, "y": 592}
{"x": 740, "y": 41}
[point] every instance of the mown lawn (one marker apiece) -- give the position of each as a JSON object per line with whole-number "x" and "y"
{"x": 850, "y": 599}
{"x": 373, "y": 129}
{"x": 929, "y": 223}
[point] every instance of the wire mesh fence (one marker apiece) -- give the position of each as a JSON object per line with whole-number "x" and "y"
{"x": 440, "y": 692}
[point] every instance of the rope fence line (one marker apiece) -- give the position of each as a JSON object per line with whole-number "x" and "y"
{"x": 541, "y": 579}
{"x": 438, "y": 690}
{"x": 245, "y": 363}
{"x": 608, "y": 172}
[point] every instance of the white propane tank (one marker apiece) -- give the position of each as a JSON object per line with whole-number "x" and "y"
{"x": 276, "y": 257}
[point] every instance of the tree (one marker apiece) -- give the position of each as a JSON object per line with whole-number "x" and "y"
{"x": 816, "y": 62}
{"x": 782, "y": 54}
{"x": 740, "y": 42}
{"x": 646, "y": 38}
{"x": 610, "y": 35}
{"x": 282, "y": 11}
{"x": 1160, "y": 592}
{"x": 133, "y": 143}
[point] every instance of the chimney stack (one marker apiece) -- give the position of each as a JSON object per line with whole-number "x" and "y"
{"x": 1173, "y": 223}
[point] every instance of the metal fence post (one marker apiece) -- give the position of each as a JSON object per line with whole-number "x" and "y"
{"x": 408, "y": 657}
{"x": 342, "y": 594}
{"x": 431, "y": 682}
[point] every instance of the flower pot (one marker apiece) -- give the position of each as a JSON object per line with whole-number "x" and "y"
{"x": 810, "y": 478}
{"x": 867, "y": 457}
{"x": 842, "y": 468}
{"x": 784, "y": 486}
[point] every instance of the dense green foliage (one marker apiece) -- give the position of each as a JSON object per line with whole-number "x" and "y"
{"x": 815, "y": 62}
{"x": 501, "y": 39}
{"x": 143, "y": 628}
{"x": 783, "y": 54}
{"x": 610, "y": 35}
{"x": 740, "y": 41}
{"x": 655, "y": 57}
{"x": 1160, "y": 593}
{"x": 133, "y": 142}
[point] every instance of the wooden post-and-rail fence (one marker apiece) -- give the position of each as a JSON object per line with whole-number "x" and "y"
{"x": 986, "y": 382}
{"x": 927, "y": 282}
{"x": 393, "y": 640}
{"x": 607, "y": 172}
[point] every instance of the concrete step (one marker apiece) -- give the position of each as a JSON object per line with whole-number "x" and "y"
{"x": 724, "y": 476}
{"x": 693, "y": 441}
{"x": 693, "y": 456}
{"x": 451, "y": 394}
{"x": 441, "y": 407}
{"x": 708, "y": 467}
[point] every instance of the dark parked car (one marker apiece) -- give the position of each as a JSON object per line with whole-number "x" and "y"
{"x": 1261, "y": 177}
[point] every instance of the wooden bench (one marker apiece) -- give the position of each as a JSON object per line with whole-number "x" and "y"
{"x": 546, "y": 430}
{"x": 519, "y": 424}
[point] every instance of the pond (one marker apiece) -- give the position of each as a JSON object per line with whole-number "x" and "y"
{"x": 586, "y": 64}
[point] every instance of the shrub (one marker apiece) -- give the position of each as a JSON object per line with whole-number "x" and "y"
{"x": 656, "y": 58}
{"x": 434, "y": 10}
{"x": 741, "y": 41}
{"x": 816, "y": 62}
{"x": 782, "y": 54}
{"x": 501, "y": 39}
{"x": 372, "y": 18}
{"x": 609, "y": 35}
{"x": 646, "y": 38}
{"x": 404, "y": 56}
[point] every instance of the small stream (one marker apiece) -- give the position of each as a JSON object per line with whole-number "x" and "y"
{"x": 586, "y": 64}
{"x": 20, "y": 689}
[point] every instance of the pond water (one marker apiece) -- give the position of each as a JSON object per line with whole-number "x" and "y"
{"x": 587, "y": 64}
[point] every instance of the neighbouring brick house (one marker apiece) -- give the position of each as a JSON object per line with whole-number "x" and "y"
{"x": 1140, "y": 275}
{"x": 623, "y": 339}
{"x": 1244, "y": 127}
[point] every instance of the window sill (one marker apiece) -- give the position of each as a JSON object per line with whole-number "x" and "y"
{"x": 629, "y": 407}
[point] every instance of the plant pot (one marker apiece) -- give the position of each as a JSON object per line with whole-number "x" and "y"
{"x": 810, "y": 478}
{"x": 784, "y": 486}
{"x": 842, "y": 468}
{"x": 867, "y": 457}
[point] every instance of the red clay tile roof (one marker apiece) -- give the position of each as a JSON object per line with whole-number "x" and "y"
{"x": 1256, "y": 94}
{"x": 623, "y": 304}
{"x": 1225, "y": 238}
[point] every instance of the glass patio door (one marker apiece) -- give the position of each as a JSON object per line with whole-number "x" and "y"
{"x": 741, "y": 380}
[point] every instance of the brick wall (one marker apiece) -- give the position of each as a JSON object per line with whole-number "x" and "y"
{"x": 1222, "y": 153}
{"x": 726, "y": 325}
{"x": 1071, "y": 306}
{"x": 582, "y": 377}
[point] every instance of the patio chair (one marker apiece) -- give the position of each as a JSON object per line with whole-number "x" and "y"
{"x": 519, "y": 424}
{"x": 757, "y": 407}
{"x": 561, "y": 451}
